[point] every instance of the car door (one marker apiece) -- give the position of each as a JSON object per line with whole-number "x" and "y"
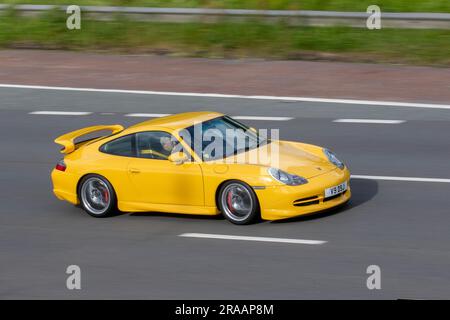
{"x": 160, "y": 181}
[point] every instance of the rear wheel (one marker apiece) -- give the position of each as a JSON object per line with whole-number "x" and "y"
{"x": 97, "y": 196}
{"x": 238, "y": 203}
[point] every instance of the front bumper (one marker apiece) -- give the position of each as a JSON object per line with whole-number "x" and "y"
{"x": 281, "y": 202}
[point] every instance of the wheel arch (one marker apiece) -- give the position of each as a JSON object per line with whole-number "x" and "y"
{"x": 236, "y": 180}
{"x": 93, "y": 174}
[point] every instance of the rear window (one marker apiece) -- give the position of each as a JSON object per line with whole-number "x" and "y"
{"x": 124, "y": 146}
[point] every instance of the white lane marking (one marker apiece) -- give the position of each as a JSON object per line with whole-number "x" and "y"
{"x": 246, "y": 238}
{"x": 157, "y": 115}
{"x": 61, "y": 113}
{"x": 147, "y": 115}
{"x": 411, "y": 179}
{"x": 369, "y": 121}
{"x": 262, "y": 118}
{"x": 219, "y": 95}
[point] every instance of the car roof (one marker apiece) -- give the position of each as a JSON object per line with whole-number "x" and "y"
{"x": 176, "y": 121}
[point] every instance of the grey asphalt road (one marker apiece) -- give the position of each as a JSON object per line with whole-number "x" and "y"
{"x": 403, "y": 227}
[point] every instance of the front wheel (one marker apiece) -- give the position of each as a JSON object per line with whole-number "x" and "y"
{"x": 97, "y": 196}
{"x": 238, "y": 203}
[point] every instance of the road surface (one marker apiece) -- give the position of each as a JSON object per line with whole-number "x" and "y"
{"x": 401, "y": 226}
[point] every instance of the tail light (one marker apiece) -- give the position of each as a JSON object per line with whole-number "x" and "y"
{"x": 61, "y": 166}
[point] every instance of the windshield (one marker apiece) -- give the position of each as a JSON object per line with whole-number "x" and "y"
{"x": 221, "y": 137}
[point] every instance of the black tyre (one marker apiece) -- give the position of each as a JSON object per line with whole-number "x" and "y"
{"x": 97, "y": 196}
{"x": 238, "y": 202}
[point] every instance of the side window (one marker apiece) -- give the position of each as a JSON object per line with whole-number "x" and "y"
{"x": 124, "y": 146}
{"x": 156, "y": 145}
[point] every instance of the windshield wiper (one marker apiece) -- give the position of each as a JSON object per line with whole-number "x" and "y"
{"x": 262, "y": 142}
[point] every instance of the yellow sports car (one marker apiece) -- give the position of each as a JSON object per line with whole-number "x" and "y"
{"x": 202, "y": 163}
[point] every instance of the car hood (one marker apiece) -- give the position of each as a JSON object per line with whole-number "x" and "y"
{"x": 292, "y": 157}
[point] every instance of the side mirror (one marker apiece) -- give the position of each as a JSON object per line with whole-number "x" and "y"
{"x": 178, "y": 158}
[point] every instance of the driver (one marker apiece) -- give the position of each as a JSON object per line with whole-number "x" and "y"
{"x": 167, "y": 144}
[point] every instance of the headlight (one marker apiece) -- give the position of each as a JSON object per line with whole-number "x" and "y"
{"x": 286, "y": 178}
{"x": 333, "y": 159}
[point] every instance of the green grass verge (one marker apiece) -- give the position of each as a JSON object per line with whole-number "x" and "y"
{"x": 231, "y": 40}
{"x": 337, "y": 5}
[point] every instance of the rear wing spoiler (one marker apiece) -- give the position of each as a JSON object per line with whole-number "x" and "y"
{"x": 67, "y": 140}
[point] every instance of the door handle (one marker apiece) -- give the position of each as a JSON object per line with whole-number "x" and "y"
{"x": 134, "y": 170}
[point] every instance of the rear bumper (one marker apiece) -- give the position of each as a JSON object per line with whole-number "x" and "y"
{"x": 65, "y": 186}
{"x": 277, "y": 202}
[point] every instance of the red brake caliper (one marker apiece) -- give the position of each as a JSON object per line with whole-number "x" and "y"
{"x": 106, "y": 195}
{"x": 230, "y": 205}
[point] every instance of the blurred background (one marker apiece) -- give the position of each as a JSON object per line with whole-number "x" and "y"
{"x": 408, "y": 39}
